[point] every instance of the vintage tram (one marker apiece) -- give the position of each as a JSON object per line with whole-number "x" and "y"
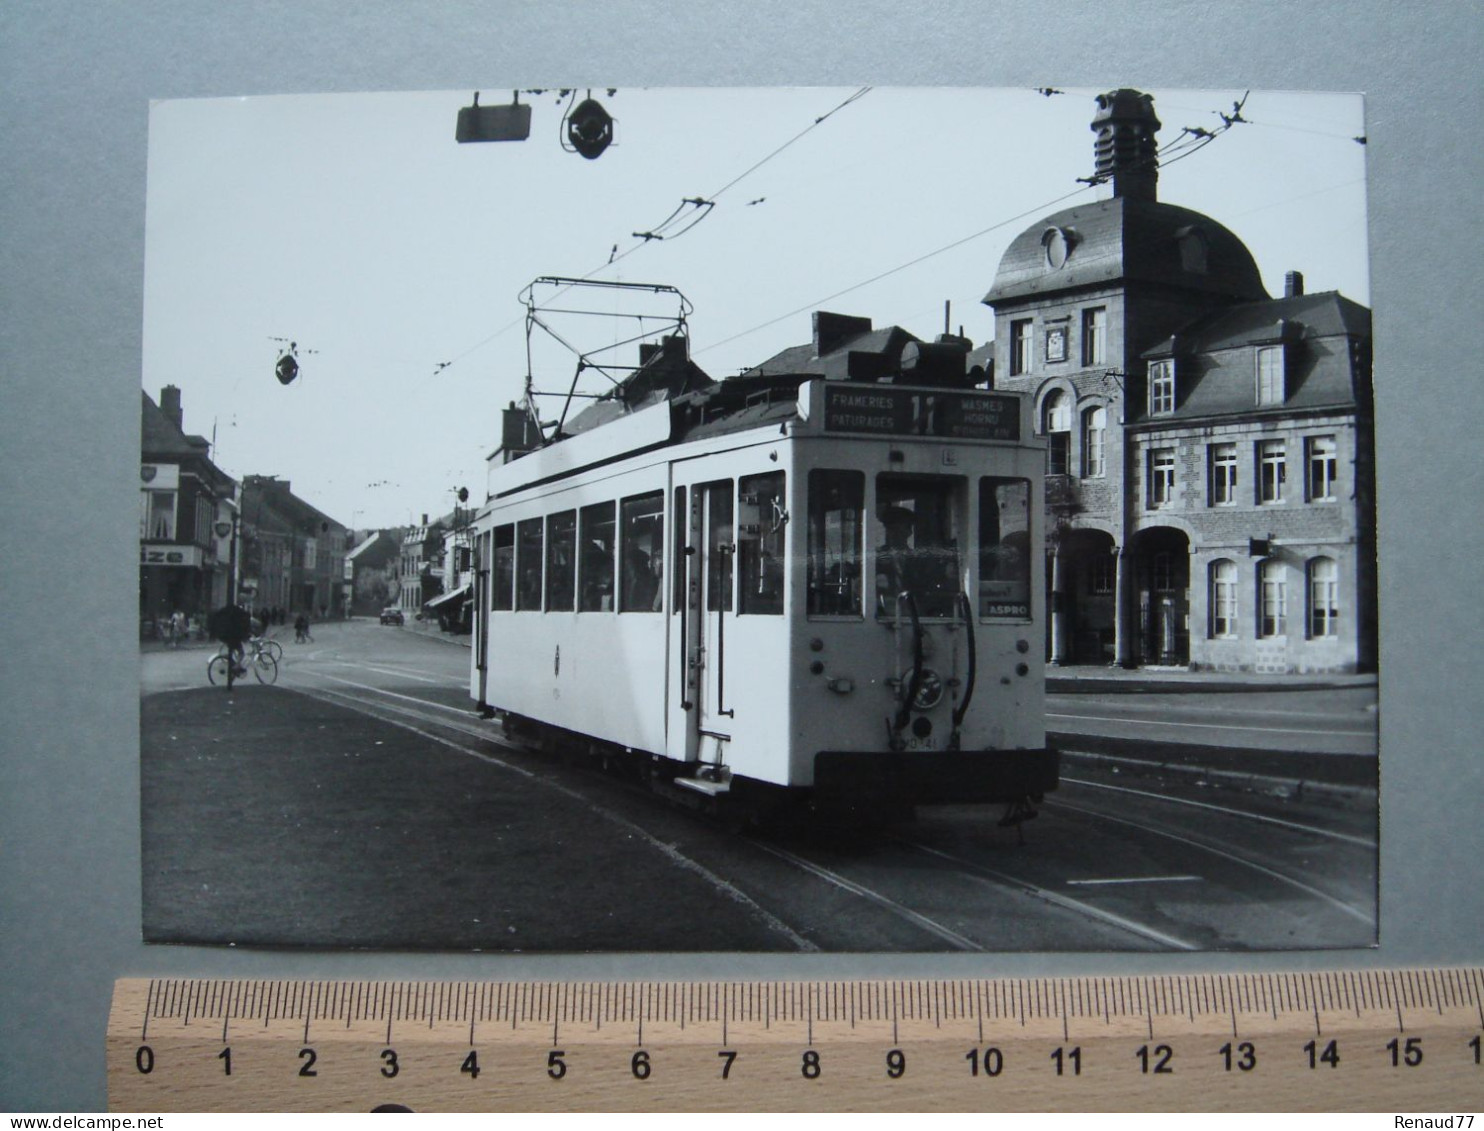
{"x": 778, "y": 587}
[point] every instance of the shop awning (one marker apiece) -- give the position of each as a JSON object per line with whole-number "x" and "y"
{"x": 449, "y": 598}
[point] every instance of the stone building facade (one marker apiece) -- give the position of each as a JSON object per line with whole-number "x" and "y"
{"x": 293, "y": 555}
{"x": 183, "y": 495}
{"x": 1210, "y": 464}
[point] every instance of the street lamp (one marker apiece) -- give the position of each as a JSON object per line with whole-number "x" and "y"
{"x": 232, "y": 529}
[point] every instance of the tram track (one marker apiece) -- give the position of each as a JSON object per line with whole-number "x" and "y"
{"x": 399, "y": 715}
{"x": 1226, "y": 852}
{"x": 416, "y": 713}
{"x": 435, "y": 720}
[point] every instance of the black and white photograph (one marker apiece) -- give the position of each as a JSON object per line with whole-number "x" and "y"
{"x": 789, "y": 520}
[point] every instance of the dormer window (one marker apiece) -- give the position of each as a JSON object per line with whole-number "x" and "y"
{"x": 1271, "y": 383}
{"x": 1193, "y": 249}
{"x": 1162, "y": 387}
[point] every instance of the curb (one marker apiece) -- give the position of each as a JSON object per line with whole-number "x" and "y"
{"x": 1272, "y": 785}
{"x": 1193, "y": 684}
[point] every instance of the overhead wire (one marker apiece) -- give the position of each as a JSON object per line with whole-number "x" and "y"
{"x": 1190, "y": 141}
{"x": 701, "y": 205}
{"x": 707, "y": 203}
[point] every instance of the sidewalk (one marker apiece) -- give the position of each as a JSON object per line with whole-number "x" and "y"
{"x": 283, "y": 633}
{"x": 1089, "y": 679}
{"x": 428, "y": 627}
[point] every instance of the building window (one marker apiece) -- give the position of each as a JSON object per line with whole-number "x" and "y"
{"x": 1164, "y": 574}
{"x": 1161, "y": 387}
{"x": 1056, "y": 424}
{"x": 1224, "y": 599}
{"x": 1321, "y": 459}
{"x": 1161, "y": 477}
{"x": 1020, "y": 347}
{"x": 1095, "y": 336}
{"x": 1324, "y": 598}
{"x": 1094, "y": 431}
{"x": 1223, "y": 474}
{"x": 1272, "y": 471}
{"x": 160, "y": 523}
{"x": 1272, "y": 600}
{"x": 1270, "y": 385}
{"x": 1100, "y": 575}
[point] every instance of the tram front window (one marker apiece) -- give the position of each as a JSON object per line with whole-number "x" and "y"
{"x": 917, "y": 519}
{"x": 1004, "y": 548}
{"x": 836, "y": 501}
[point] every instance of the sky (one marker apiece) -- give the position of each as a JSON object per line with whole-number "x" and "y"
{"x": 357, "y": 227}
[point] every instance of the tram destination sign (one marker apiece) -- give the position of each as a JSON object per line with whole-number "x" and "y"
{"x": 885, "y": 411}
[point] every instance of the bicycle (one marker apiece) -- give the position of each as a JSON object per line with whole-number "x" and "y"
{"x": 257, "y": 657}
{"x": 269, "y": 645}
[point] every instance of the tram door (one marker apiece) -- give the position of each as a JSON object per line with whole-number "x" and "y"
{"x": 481, "y": 615}
{"x": 710, "y": 555}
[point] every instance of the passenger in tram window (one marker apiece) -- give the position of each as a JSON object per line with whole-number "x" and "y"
{"x": 922, "y": 569}
{"x": 597, "y": 577}
{"x": 641, "y": 581}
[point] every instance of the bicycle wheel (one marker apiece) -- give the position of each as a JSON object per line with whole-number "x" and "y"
{"x": 265, "y": 667}
{"x": 218, "y": 671}
{"x": 274, "y": 649}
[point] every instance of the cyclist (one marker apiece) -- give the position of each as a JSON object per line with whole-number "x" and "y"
{"x": 232, "y": 625}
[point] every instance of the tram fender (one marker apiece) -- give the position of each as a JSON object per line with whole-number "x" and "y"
{"x": 937, "y": 776}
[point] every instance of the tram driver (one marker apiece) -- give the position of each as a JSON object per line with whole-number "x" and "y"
{"x": 910, "y": 561}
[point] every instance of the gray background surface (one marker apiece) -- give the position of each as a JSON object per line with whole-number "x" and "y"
{"x": 75, "y": 83}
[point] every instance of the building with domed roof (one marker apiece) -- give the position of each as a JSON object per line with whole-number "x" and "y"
{"x": 1209, "y": 447}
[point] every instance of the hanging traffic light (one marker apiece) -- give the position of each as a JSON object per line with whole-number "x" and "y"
{"x": 589, "y": 128}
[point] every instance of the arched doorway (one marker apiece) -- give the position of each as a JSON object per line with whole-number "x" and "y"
{"x": 1162, "y": 579}
{"x": 1082, "y": 587}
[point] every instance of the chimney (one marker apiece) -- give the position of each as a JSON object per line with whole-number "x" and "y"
{"x": 1124, "y": 150}
{"x": 170, "y": 406}
{"x": 831, "y": 331}
{"x": 1293, "y": 284}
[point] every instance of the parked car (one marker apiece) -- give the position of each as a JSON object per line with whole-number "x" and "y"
{"x": 391, "y": 615}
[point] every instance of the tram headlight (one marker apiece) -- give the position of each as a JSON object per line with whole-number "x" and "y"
{"x": 929, "y": 691}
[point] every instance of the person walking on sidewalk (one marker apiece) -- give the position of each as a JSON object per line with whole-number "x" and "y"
{"x": 301, "y": 630}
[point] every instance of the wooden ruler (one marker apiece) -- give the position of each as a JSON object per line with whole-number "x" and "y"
{"x": 1367, "y": 1040}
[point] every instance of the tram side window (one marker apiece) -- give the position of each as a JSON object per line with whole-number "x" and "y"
{"x": 642, "y": 552}
{"x": 918, "y": 551}
{"x": 836, "y": 500}
{"x": 528, "y": 564}
{"x": 595, "y": 529}
{"x": 1004, "y": 548}
{"x": 762, "y": 514}
{"x": 503, "y": 597}
{"x": 561, "y": 554}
